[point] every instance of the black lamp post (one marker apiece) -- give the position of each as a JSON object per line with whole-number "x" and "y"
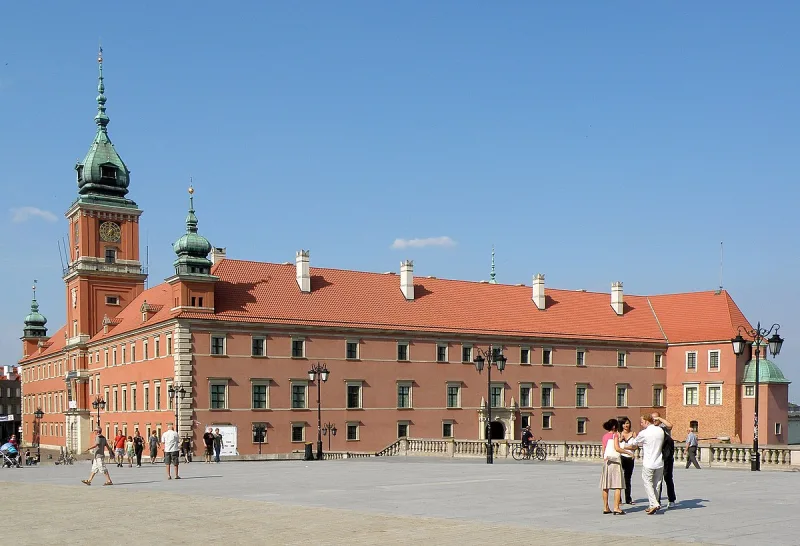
{"x": 322, "y": 371}
{"x": 99, "y": 404}
{"x": 329, "y": 429}
{"x": 176, "y": 392}
{"x": 775, "y": 343}
{"x": 487, "y": 358}
{"x": 258, "y": 433}
{"x": 38, "y": 414}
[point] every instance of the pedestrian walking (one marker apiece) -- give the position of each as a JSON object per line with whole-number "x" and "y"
{"x": 138, "y": 447}
{"x": 99, "y": 459}
{"x": 651, "y": 440}
{"x": 668, "y": 456}
{"x": 153, "y": 442}
{"x": 217, "y": 444}
{"x": 691, "y": 449}
{"x": 129, "y": 450}
{"x": 119, "y": 447}
{"x": 172, "y": 456}
{"x": 627, "y": 441}
{"x": 208, "y": 441}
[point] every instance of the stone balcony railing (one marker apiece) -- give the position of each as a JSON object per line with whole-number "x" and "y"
{"x": 710, "y": 455}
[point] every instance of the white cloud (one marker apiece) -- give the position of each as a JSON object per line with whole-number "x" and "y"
{"x": 427, "y": 241}
{"x": 23, "y": 214}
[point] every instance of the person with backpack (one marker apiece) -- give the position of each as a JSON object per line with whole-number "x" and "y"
{"x": 668, "y": 455}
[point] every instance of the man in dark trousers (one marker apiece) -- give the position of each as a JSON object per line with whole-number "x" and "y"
{"x": 138, "y": 447}
{"x": 691, "y": 449}
{"x": 208, "y": 442}
{"x": 668, "y": 454}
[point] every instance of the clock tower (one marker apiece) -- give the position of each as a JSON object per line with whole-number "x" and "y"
{"x": 104, "y": 272}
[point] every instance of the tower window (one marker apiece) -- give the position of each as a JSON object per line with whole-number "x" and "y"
{"x": 111, "y": 255}
{"x": 108, "y": 172}
{"x": 80, "y": 173}
{"x": 112, "y": 300}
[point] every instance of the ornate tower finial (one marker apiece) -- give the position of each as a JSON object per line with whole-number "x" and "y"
{"x": 191, "y": 219}
{"x": 101, "y": 119}
{"x": 492, "y": 274}
{"x": 34, "y": 289}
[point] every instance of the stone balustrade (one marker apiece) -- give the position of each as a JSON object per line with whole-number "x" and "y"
{"x": 710, "y": 455}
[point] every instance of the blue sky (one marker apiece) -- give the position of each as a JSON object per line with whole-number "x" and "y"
{"x": 590, "y": 141}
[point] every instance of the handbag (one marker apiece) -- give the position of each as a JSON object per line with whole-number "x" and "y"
{"x": 611, "y": 454}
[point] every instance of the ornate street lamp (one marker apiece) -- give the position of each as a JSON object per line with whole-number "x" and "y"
{"x": 322, "y": 371}
{"x": 176, "y": 392}
{"x": 487, "y": 358}
{"x": 258, "y": 434}
{"x": 329, "y": 430}
{"x": 739, "y": 344}
{"x": 38, "y": 414}
{"x": 99, "y": 404}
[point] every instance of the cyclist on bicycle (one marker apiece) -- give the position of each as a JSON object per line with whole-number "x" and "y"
{"x": 527, "y": 436}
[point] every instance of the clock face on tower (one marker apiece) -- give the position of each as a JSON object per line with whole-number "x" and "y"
{"x": 109, "y": 231}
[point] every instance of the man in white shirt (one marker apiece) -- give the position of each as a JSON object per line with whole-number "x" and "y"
{"x": 651, "y": 439}
{"x": 171, "y": 443}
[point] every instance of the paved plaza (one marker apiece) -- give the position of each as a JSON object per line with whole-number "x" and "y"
{"x": 390, "y": 501}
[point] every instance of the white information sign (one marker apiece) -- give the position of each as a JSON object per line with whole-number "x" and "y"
{"x": 229, "y": 439}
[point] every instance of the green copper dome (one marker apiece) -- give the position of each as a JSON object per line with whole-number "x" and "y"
{"x": 192, "y": 248}
{"x": 102, "y": 175}
{"x": 768, "y": 372}
{"x": 35, "y": 321}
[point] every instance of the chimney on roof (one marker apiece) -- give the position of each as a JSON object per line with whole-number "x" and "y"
{"x": 538, "y": 291}
{"x": 407, "y": 279}
{"x": 217, "y": 254}
{"x": 616, "y": 297}
{"x": 302, "y": 259}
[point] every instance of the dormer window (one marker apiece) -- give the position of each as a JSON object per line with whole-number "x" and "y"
{"x": 111, "y": 255}
{"x": 107, "y": 171}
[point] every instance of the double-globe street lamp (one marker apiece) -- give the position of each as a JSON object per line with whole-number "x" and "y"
{"x": 487, "y": 358}
{"x": 739, "y": 344}
{"x": 329, "y": 430}
{"x": 176, "y": 392}
{"x": 320, "y": 370}
{"x": 99, "y": 404}
{"x": 38, "y": 414}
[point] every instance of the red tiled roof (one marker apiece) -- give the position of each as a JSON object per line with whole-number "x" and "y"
{"x": 53, "y": 345}
{"x": 130, "y": 318}
{"x": 698, "y": 316}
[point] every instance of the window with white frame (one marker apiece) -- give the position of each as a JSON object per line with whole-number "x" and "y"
{"x": 298, "y": 432}
{"x": 581, "y": 425}
{"x": 146, "y": 395}
{"x": 133, "y": 397}
{"x": 525, "y": 390}
{"x": 778, "y": 429}
{"x": 749, "y": 391}
{"x": 713, "y": 395}
{"x": 133, "y": 351}
{"x": 454, "y": 395}
{"x": 258, "y": 346}
{"x": 115, "y": 405}
{"x": 466, "y": 353}
{"x": 169, "y": 344}
{"x": 622, "y": 396}
{"x": 157, "y": 394}
{"x": 124, "y": 398}
{"x": 690, "y": 395}
{"x": 658, "y": 396}
{"x": 299, "y": 394}
{"x": 114, "y": 356}
{"x": 524, "y": 355}
{"x": 298, "y": 347}
{"x": 580, "y": 357}
{"x": 547, "y": 395}
{"x": 157, "y": 347}
{"x": 259, "y": 393}
{"x": 352, "y": 432}
{"x": 441, "y": 352}
{"x": 354, "y": 400}
{"x": 145, "y": 352}
{"x": 447, "y": 429}
{"x": 713, "y": 361}
{"x": 217, "y": 344}
{"x": 658, "y": 360}
{"x": 122, "y": 354}
{"x": 497, "y": 397}
{"x": 691, "y": 361}
{"x": 351, "y": 350}
{"x": 218, "y": 394}
{"x": 622, "y": 359}
{"x": 402, "y": 350}
{"x": 547, "y": 356}
{"x": 580, "y": 395}
{"x": 404, "y": 394}
{"x": 547, "y": 421}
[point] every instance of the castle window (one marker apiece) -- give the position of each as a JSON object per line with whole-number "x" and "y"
{"x": 108, "y": 172}
{"x": 112, "y": 300}
{"x": 80, "y": 173}
{"x": 111, "y": 255}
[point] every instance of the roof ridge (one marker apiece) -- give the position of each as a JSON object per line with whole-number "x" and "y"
{"x": 655, "y": 315}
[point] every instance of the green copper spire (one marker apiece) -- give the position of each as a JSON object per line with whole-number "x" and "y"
{"x": 103, "y": 177}
{"x": 192, "y": 248}
{"x": 492, "y": 274}
{"x": 35, "y": 321}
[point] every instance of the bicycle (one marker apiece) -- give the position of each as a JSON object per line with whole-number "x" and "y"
{"x": 536, "y": 449}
